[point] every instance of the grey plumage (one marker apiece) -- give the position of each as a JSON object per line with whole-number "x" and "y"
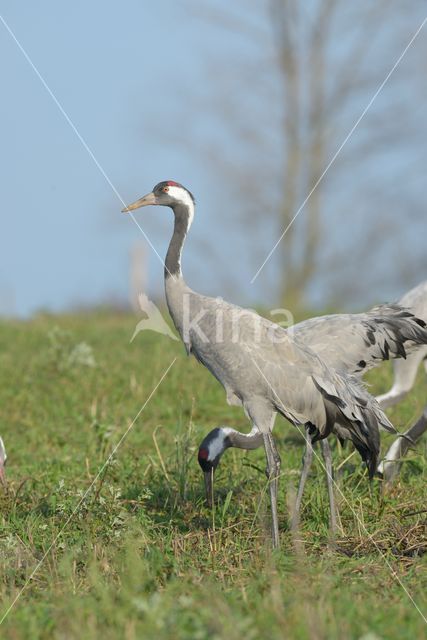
{"x": 264, "y": 370}
{"x": 285, "y": 377}
{"x": 358, "y": 342}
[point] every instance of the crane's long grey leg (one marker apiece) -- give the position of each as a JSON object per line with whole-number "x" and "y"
{"x": 307, "y": 461}
{"x": 389, "y": 468}
{"x": 327, "y": 457}
{"x": 273, "y": 472}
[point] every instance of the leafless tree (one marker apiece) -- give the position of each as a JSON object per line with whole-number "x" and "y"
{"x": 289, "y": 95}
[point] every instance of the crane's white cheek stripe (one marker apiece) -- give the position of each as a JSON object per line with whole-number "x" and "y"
{"x": 217, "y": 446}
{"x": 184, "y": 197}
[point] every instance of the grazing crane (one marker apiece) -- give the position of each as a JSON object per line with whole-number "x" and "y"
{"x": 260, "y": 365}
{"x": 3, "y": 458}
{"x": 352, "y": 343}
{"x": 405, "y": 372}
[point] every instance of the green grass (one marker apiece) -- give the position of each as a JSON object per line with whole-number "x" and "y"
{"x": 142, "y": 557}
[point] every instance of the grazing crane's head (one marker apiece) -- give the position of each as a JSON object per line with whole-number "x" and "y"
{"x": 3, "y": 458}
{"x": 210, "y": 452}
{"x": 167, "y": 194}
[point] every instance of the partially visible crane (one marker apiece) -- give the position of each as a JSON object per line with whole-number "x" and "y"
{"x": 405, "y": 372}
{"x": 390, "y": 465}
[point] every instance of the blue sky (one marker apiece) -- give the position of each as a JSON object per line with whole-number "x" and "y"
{"x": 133, "y": 77}
{"x": 114, "y": 71}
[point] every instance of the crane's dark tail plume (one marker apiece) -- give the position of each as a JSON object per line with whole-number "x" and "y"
{"x": 394, "y": 330}
{"x": 363, "y": 431}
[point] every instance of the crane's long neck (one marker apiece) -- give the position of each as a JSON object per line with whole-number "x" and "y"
{"x": 252, "y": 440}
{"x": 183, "y": 218}
{"x": 175, "y": 286}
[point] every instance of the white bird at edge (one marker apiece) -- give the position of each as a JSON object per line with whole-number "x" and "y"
{"x": 3, "y": 458}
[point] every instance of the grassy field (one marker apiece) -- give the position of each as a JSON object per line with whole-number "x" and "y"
{"x": 140, "y": 556}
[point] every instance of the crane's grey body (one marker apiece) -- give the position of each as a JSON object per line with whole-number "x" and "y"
{"x": 261, "y": 366}
{"x": 264, "y": 369}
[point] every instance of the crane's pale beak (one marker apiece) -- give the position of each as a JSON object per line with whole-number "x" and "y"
{"x": 209, "y": 486}
{"x": 150, "y": 198}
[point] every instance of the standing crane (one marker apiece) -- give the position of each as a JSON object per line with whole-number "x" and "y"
{"x": 351, "y": 343}
{"x": 260, "y": 365}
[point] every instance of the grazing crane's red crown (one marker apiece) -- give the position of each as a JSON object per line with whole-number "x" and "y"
{"x": 203, "y": 454}
{"x": 171, "y": 183}
{"x": 203, "y": 460}
{"x": 168, "y": 183}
